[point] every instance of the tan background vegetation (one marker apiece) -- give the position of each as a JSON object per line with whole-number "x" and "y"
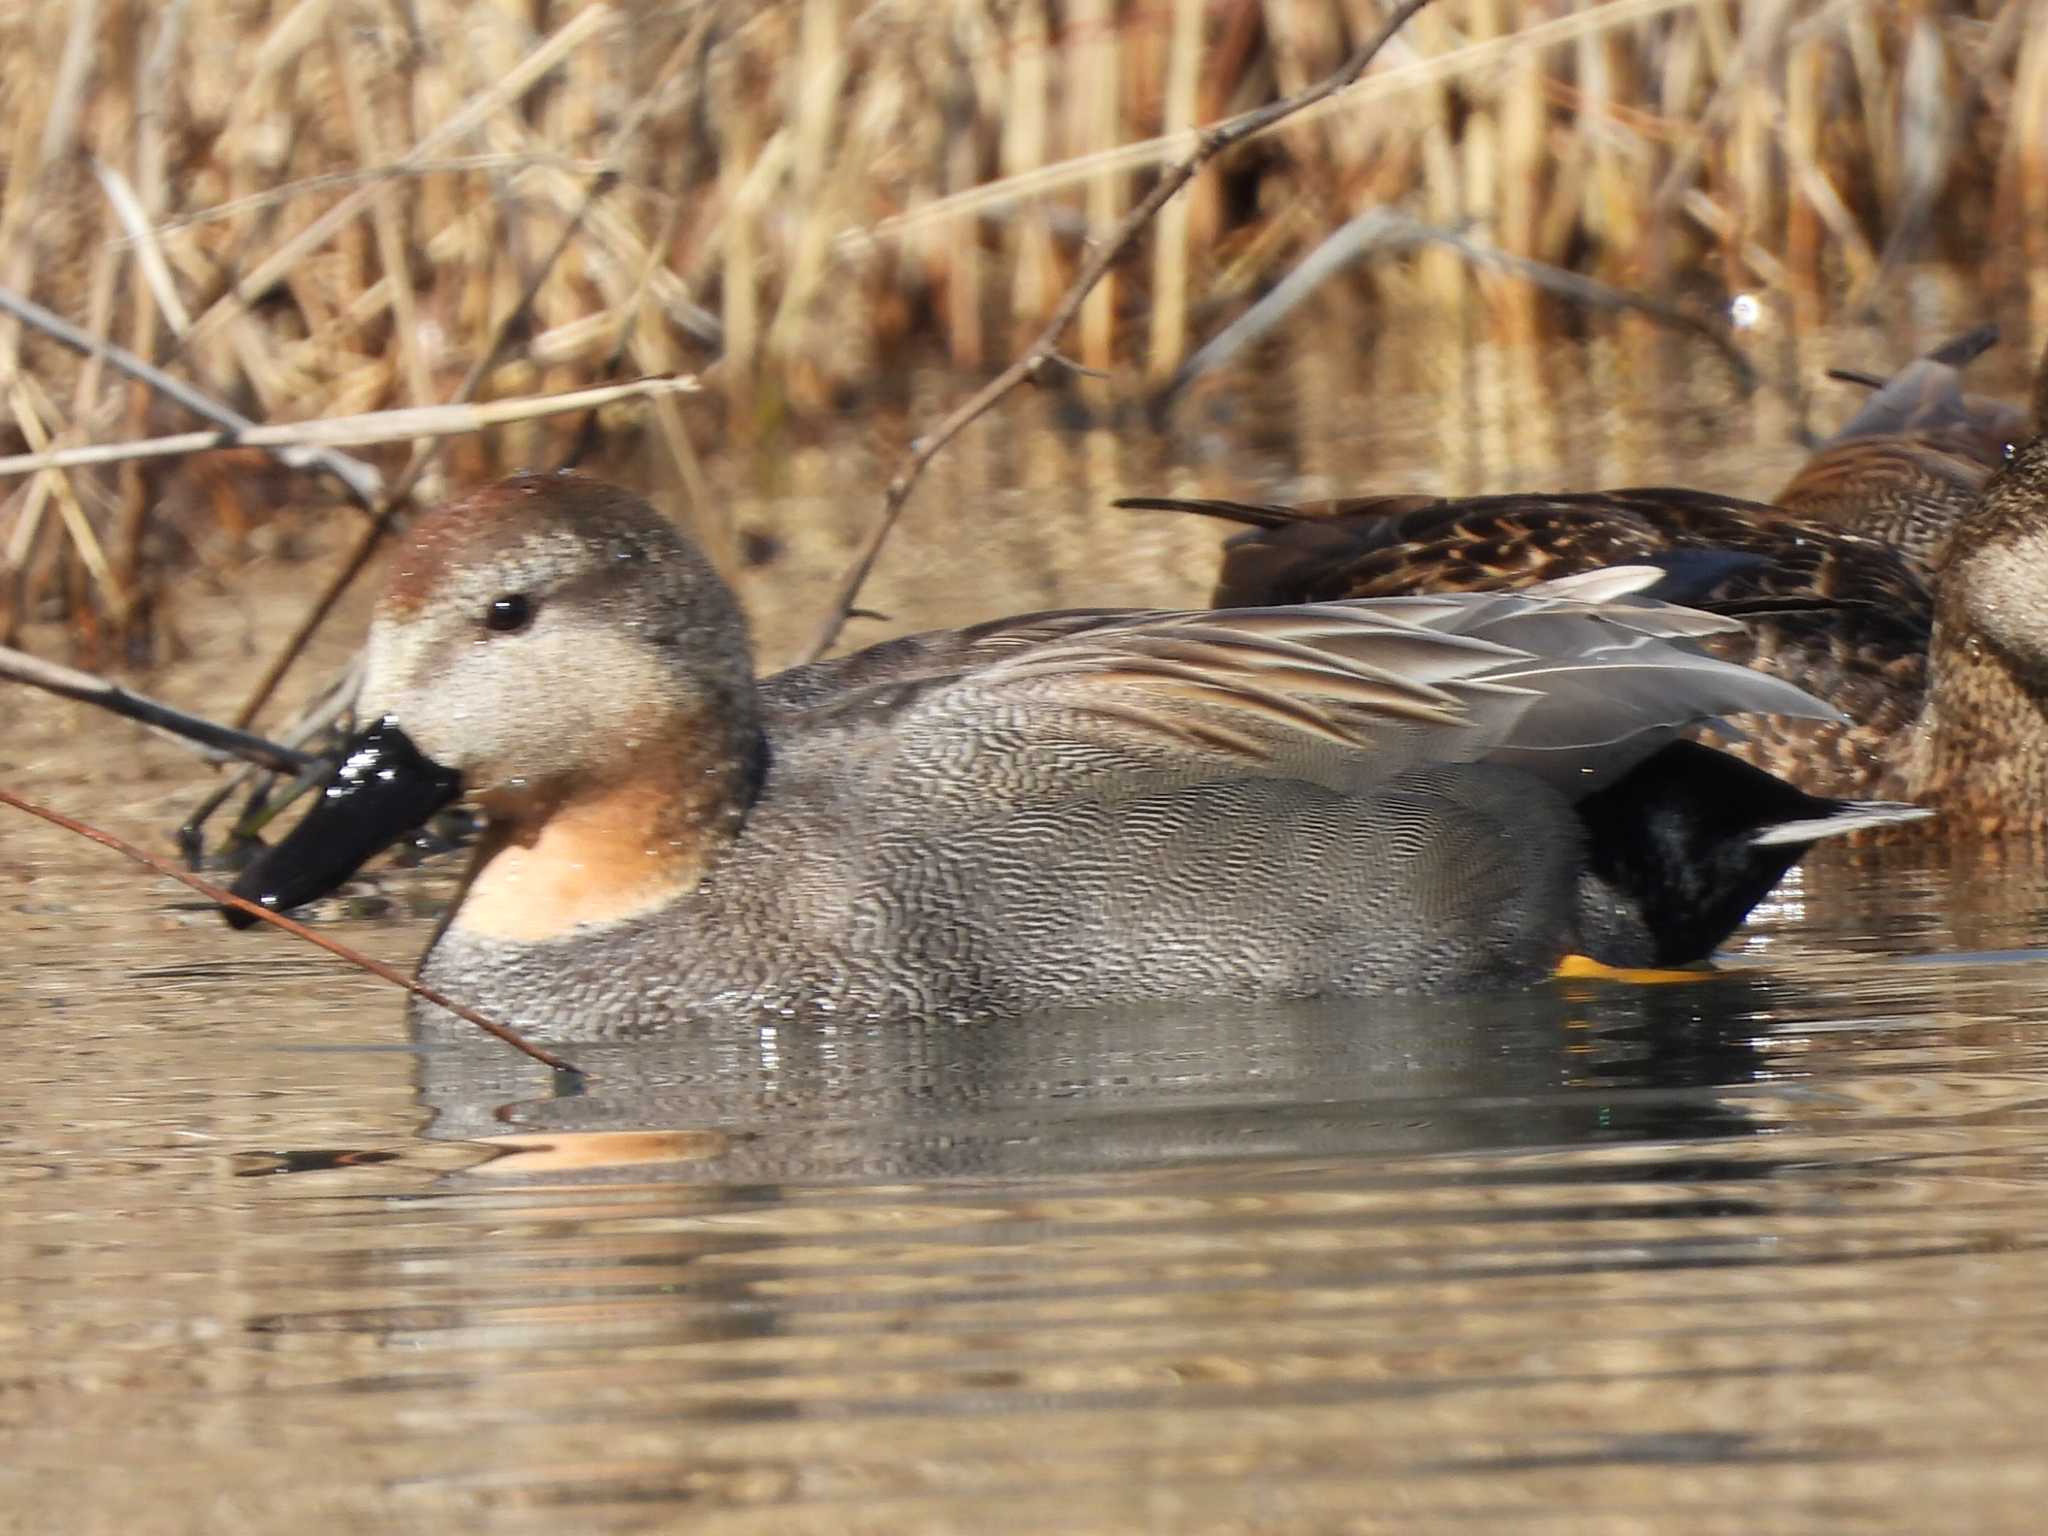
{"x": 325, "y": 207}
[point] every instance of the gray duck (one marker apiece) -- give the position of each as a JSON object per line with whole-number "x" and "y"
{"x": 1432, "y": 794}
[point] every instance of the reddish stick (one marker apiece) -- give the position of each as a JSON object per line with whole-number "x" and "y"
{"x": 228, "y": 898}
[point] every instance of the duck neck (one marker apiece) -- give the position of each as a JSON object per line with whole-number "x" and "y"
{"x": 594, "y": 852}
{"x": 1981, "y": 753}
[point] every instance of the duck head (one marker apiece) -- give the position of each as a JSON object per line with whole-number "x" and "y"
{"x": 555, "y": 649}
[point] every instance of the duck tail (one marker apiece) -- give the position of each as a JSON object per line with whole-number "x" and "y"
{"x": 1680, "y": 848}
{"x": 1925, "y": 395}
{"x": 1843, "y": 818}
{"x": 1959, "y": 350}
{"x": 1251, "y": 514}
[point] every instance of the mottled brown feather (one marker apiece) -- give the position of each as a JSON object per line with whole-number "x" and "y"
{"x": 1914, "y": 458}
{"x": 1845, "y": 618}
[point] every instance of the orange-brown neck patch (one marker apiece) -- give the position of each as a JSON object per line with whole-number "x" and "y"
{"x": 591, "y": 859}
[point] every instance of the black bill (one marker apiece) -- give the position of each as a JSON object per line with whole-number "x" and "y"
{"x": 383, "y": 789}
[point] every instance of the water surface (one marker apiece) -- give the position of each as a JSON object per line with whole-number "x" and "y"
{"x": 1757, "y": 1252}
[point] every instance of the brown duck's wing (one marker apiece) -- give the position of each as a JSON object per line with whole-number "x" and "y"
{"x": 1388, "y": 546}
{"x": 1382, "y": 546}
{"x": 1300, "y": 554}
{"x": 1907, "y": 490}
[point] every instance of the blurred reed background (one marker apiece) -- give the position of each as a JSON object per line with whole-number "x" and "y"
{"x": 316, "y": 208}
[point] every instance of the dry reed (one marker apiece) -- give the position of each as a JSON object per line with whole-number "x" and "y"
{"x": 332, "y": 207}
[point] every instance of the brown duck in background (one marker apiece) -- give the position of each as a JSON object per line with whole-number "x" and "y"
{"x": 1915, "y": 458}
{"x": 1942, "y": 677}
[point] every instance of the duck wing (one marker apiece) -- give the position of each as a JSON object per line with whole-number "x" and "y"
{"x": 1843, "y": 617}
{"x": 1379, "y": 546}
{"x": 912, "y": 659}
{"x": 1576, "y": 685}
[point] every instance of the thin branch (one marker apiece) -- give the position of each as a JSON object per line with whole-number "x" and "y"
{"x": 1473, "y": 59}
{"x": 353, "y": 431}
{"x": 227, "y": 898}
{"x": 363, "y": 481}
{"x": 213, "y": 739}
{"x": 1208, "y": 145}
{"x": 1379, "y": 229}
{"x": 1373, "y": 230}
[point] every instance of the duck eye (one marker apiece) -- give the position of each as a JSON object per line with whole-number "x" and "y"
{"x": 509, "y": 614}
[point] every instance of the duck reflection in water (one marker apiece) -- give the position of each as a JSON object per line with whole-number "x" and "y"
{"x": 1563, "y": 1065}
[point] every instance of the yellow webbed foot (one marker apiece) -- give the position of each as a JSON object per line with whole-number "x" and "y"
{"x": 1585, "y": 968}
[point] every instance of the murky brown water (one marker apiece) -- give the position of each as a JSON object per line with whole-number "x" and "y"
{"x": 1755, "y": 1253}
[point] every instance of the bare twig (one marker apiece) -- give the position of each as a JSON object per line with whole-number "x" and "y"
{"x": 214, "y": 739}
{"x": 227, "y": 898}
{"x": 1375, "y": 229}
{"x": 363, "y": 482}
{"x": 354, "y": 431}
{"x": 1211, "y": 142}
{"x": 1383, "y": 229}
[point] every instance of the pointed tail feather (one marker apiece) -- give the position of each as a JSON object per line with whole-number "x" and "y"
{"x": 1848, "y": 816}
{"x": 1251, "y": 514}
{"x": 1958, "y": 350}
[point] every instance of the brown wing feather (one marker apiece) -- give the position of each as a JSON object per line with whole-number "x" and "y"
{"x": 1907, "y": 489}
{"x": 1914, "y": 457}
{"x": 1846, "y": 618}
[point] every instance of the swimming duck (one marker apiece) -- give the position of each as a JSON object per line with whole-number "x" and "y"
{"x": 1914, "y": 458}
{"x": 1942, "y": 678}
{"x": 1054, "y": 810}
